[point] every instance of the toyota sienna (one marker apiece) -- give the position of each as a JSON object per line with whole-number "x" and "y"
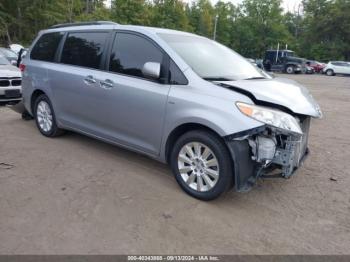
{"x": 182, "y": 99}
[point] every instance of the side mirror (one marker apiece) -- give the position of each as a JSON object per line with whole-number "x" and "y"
{"x": 14, "y": 62}
{"x": 151, "y": 70}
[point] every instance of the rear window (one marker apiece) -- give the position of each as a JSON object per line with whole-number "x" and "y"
{"x": 46, "y": 47}
{"x": 84, "y": 49}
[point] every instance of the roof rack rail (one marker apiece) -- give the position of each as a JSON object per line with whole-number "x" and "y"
{"x": 84, "y": 23}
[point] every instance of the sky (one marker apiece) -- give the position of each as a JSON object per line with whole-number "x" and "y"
{"x": 288, "y": 5}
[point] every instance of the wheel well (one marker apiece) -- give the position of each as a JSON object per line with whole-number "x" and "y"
{"x": 179, "y": 131}
{"x": 35, "y": 95}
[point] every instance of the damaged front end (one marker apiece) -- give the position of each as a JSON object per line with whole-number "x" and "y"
{"x": 261, "y": 151}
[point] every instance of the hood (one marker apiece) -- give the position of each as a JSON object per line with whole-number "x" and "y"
{"x": 280, "y": 91}
{"x": 9, "y": 71}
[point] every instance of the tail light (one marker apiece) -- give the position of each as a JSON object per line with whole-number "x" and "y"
{"x": 22, "y": 67}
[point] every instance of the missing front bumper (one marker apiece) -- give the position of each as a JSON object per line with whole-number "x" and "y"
{"x": 259, "y": 152}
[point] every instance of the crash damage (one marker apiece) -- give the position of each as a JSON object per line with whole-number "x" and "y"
{"x": 261, "y": 151}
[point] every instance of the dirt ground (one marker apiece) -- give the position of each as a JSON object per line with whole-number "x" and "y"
{"x": 76, "y": 195}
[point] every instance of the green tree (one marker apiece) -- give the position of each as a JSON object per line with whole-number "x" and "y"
{"x": 260, "y": 26}
{"x": 202, "y": 15}
{"x": 170, "y": 14}
{"x": 227, "y": 14}
{"x": 326, "y": 29}
{"x": 136, "y": 12}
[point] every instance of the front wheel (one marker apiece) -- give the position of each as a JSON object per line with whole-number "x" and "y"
{"x": 290, "y": 69}
{"x": 330, "y": 72}
{"x": 202, "y": 164}
{"x": 45, "y": 117}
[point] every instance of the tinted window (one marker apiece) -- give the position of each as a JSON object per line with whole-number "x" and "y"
{"x": 84, "y": 49}
{"x": 176, "y": 76}
{"x": 130, "y": 52}
{"x": 46, "y": 47}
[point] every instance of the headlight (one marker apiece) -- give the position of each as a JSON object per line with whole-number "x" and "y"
{"x": 270, "y": 117}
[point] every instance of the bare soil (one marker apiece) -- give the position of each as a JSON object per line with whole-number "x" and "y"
{"x": 76, "y": 195}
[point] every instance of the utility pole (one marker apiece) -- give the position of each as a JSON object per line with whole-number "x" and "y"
{"x": 87, "y": 6}
{"x": 215, "y": 25}
{"x": 297, "y": 21}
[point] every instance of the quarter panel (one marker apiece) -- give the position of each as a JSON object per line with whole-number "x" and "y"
{"x": 34, "y": 77}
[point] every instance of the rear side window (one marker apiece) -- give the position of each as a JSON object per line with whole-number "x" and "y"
{"x": 84, "y": 49}
{"x": 130, "y": 52}
{"x": 46, "y": 47}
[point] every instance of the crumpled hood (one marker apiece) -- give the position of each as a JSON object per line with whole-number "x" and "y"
{"x": 280, "y": 91}
{"x": 9, "y": 71}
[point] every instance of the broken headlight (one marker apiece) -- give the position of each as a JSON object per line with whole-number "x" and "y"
{"x": 270, "y": 117}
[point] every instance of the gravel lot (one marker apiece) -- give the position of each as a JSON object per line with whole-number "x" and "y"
{"x": 76, "y": 195}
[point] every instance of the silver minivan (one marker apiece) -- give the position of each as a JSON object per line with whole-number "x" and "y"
{"x": 219, "y": 121}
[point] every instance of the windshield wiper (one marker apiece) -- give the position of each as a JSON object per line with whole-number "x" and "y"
{"x": 255, "y": 77}
{"x": 217, "y": 79}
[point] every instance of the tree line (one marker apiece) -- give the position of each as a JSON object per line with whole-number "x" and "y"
{"x": 319, "y": 30}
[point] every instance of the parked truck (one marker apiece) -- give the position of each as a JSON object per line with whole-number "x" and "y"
{"x": 283, "y": 61}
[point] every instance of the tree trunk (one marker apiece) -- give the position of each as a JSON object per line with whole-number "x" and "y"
{"x": 19, "y": 19}
{"x": 9, "y": 42}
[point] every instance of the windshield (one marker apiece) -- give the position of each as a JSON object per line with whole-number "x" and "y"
{"x": 3, "y": 61}
{"x": 211, "y": 60}
{"x": 8, "y": 53}
{"x": 289, "y": 54}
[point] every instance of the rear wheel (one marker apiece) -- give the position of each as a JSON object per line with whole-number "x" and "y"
{"x": 202, "y": 165}
{"x": 45, "y": 117}
{"x": 290, "y": 69}
{"x": 330, "y": 72}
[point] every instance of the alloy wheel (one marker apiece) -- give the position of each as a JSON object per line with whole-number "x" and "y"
{"x": 198, "y": 166}
{"x": 44, "y": 116}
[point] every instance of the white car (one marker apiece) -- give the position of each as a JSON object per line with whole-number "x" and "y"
{"x": 337, "y": 67}
{"x": 10, "y": 83}
{"x": 16, "y": 48}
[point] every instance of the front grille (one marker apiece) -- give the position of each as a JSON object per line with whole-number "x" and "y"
{"x": 10, "y": 81}
{"x": 4, "y": 83}
{"x": 16, "y": 82}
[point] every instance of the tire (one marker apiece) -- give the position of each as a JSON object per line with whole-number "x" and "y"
{"x": 290, "y": 70}
{"x": 330, "y": 72}
{"x": 192, "y": 173}
{"x": 43, "y": 112}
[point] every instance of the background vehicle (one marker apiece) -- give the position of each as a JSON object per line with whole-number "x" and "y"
{"x": 283, "y": 61}
{"x": 177, "y": 97}
{"x": 256, "y": 62}
{"x": 16, "y": 48}
{"x": 337, "y": 67}
{"x": 309, "y": 70}
{"x": 317, "y": 66}
{"x": 10, "y": 55}
{"x": 259, "y": 63}
{"x": 10, "y": 83}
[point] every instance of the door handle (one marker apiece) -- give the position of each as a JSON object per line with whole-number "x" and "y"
{"x": 89, "y": 80}
{"x": 107, "y": 84}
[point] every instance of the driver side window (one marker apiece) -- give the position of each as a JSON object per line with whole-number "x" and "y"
{"x": 130, "y": 52}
